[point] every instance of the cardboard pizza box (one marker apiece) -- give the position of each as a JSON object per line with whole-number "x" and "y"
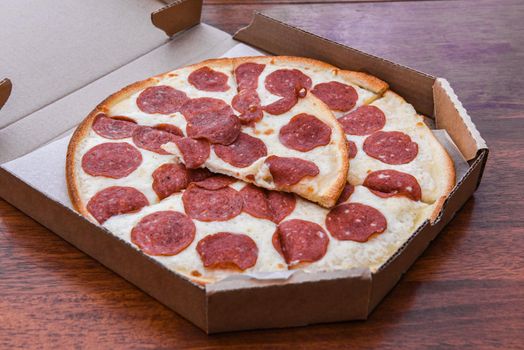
{"x": 27, "y": 126}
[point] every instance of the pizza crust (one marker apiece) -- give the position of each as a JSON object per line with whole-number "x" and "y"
{"x": 81, "y": 132}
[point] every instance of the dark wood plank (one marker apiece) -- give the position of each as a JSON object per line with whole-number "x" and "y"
{"x": 466, "y": 291}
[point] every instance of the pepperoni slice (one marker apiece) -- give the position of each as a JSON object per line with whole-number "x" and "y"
{"x": 304, "y": 132}
{"x": 151, "y": 139}
{"x": 205, "y": 106}
{"x": 169, "y": 178}
{"x": 364, "y": 120}
{"x": 199, "y": 174}
{"x": 352, "y": 149}
{"x": 161, "y": 99}
{"x": 215, "y": 182}
{"x": 282, "y": 105}
{"x": 275, "y": 239}
{"x": 247, "y": 103}
{"x": 346, "y": 193}
{"x": 222, "y": 130}
{"x": 115, "y": 200}
{"x": 211, "y": 205}
{"x": 337, "y": 96}
{"x": 194, "y": 152}
{"x": 163, "y": 233}
{"x": 247, "y": 75}
{"x": 302, "y": 241}
{"x": 281, "y": 204}
{"x": 113, "y": 128}
{"x": 211, "y": 119}
{"x": 175, "y": 130}
{"x": 287, "y": 171}
{"x": 388, "y": 183}
{"x": 112, "y": 159}
{"x": 287, "y": 82}
{"x": 207, "y": 79}
{"x": 264, "y": 204}
{"x": 355, "y": 222}
{"x": 243, "y": 152}
{"x": 391, "y": 147}
{"x": 225, "y": 250}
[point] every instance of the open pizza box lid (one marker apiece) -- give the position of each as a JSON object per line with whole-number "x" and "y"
{"x": 37, "y": 114}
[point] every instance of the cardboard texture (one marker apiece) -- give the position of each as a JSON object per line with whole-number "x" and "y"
{"x": 243, "y": 303}
{"x": 73, "y": 42}
{"x": 178, "y": 16}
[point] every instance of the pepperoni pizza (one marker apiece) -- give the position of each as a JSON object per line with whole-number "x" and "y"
{"x": 214, "y": 169}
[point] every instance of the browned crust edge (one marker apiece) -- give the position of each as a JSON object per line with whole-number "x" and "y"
{"x": 361, "y": 79}
{"x": 449, "y": 169}
{"x": 81, "y": 132}
{"x": 443, "y": 159}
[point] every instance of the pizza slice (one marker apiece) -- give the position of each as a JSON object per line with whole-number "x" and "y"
{"x": 221, "y": 125}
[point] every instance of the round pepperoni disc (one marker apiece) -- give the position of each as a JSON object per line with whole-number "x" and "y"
{"x": 115, "y": 160}
{"x": 199, "y": 174}
{"x": 281, "y": 204}
{"x": 302, "y": 241}
{"x": 243, "y": 152}
{"x": 247, "y": 103}
{"x": 255, "y": 202}
{"x": 169, "y": 178}
{"x": 352, "y": 149}
{"x": 247, "y": 75}
{"x": 215, "y": 182}
{"x": 364, "y": 120}
{"x": 225, "y": 250}
{"x": 287, "y": 171}
{"x": 163, "y": 233}
{"x": 115, "y": 200}
{"x": 388, "y": 183}
{"x": 355, "y": 222}
{"x": 337, "y": 96}
{"x": 211, "y": 119}
{"x": 113, "y": 128}
{"x": 207, "y": 79}
{"x": 194, "y": 152}
{"x": 304, "y": 132}
{"x": 205, "y": 106}
{"x": 346, "y": 193}
{"x": 264, "y": 204}
{"x": 391, "y": 147}
{"x": 175, "y": 130}
{"x": 282, "y": 105}
{"x": 151, "y": 139}
{"x": 161, "y": 99}
{"x": 286, "y": 82}
{"x": 275, "y": 239}
{"x": 211, "y": 205}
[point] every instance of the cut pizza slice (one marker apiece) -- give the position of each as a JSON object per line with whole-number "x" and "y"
{"x": 208, "y": 116}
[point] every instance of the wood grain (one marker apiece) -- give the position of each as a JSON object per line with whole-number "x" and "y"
{"x": 466, "y": 291}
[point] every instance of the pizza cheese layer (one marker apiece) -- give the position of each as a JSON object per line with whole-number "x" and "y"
{"x": 146, "y": 165}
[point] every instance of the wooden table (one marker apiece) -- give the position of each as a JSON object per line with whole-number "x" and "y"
{"x": 467, "y": 290}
